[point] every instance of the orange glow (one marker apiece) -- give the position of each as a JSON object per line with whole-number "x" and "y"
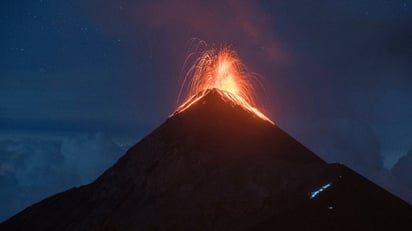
{"x": 222, "y": 70}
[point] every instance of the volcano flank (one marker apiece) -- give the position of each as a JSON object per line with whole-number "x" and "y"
{"x": 218, "y": 166}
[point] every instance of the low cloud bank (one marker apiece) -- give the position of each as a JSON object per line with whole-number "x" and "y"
{"x": 34, "y": 168}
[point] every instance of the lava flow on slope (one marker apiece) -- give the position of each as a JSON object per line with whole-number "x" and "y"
{"x": 221, "y": 69}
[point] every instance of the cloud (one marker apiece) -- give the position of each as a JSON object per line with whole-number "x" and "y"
{"x": 354, "y": 143}
{"x": 402, "y": 170}
{"x": 88, "y": 155}
{"x": 34, "y": 168}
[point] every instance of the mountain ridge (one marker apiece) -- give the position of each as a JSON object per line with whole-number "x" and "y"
{"x": 217, "y": 166}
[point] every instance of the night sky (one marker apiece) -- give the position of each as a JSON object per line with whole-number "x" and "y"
{"x": 83, "y": 80}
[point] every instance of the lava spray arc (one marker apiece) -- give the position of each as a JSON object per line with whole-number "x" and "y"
{"x": 221, "y": 69}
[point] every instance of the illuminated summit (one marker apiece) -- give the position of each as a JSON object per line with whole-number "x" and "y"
{"x": 221, "y": 69}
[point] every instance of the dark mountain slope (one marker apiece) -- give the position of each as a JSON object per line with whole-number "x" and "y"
{"x": 216, "y": 166}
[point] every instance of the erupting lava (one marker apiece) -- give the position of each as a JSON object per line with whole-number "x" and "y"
{"x": 221, "y": 69}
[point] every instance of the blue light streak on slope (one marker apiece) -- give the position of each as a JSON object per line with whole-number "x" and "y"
{"x": 315, "y": 193}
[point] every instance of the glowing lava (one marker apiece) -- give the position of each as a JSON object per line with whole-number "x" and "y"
{"x": 222, "y": 70}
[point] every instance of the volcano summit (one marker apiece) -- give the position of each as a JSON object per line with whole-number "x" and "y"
{"x": 218, "y": 166}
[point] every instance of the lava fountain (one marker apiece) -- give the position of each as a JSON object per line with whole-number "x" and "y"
{"x": 223, "y": 70}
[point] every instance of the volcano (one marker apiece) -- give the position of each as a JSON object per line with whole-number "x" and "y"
{"x": 217, "y": 166}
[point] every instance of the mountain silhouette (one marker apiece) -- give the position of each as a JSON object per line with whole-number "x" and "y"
{"x": 217, "y": 166}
